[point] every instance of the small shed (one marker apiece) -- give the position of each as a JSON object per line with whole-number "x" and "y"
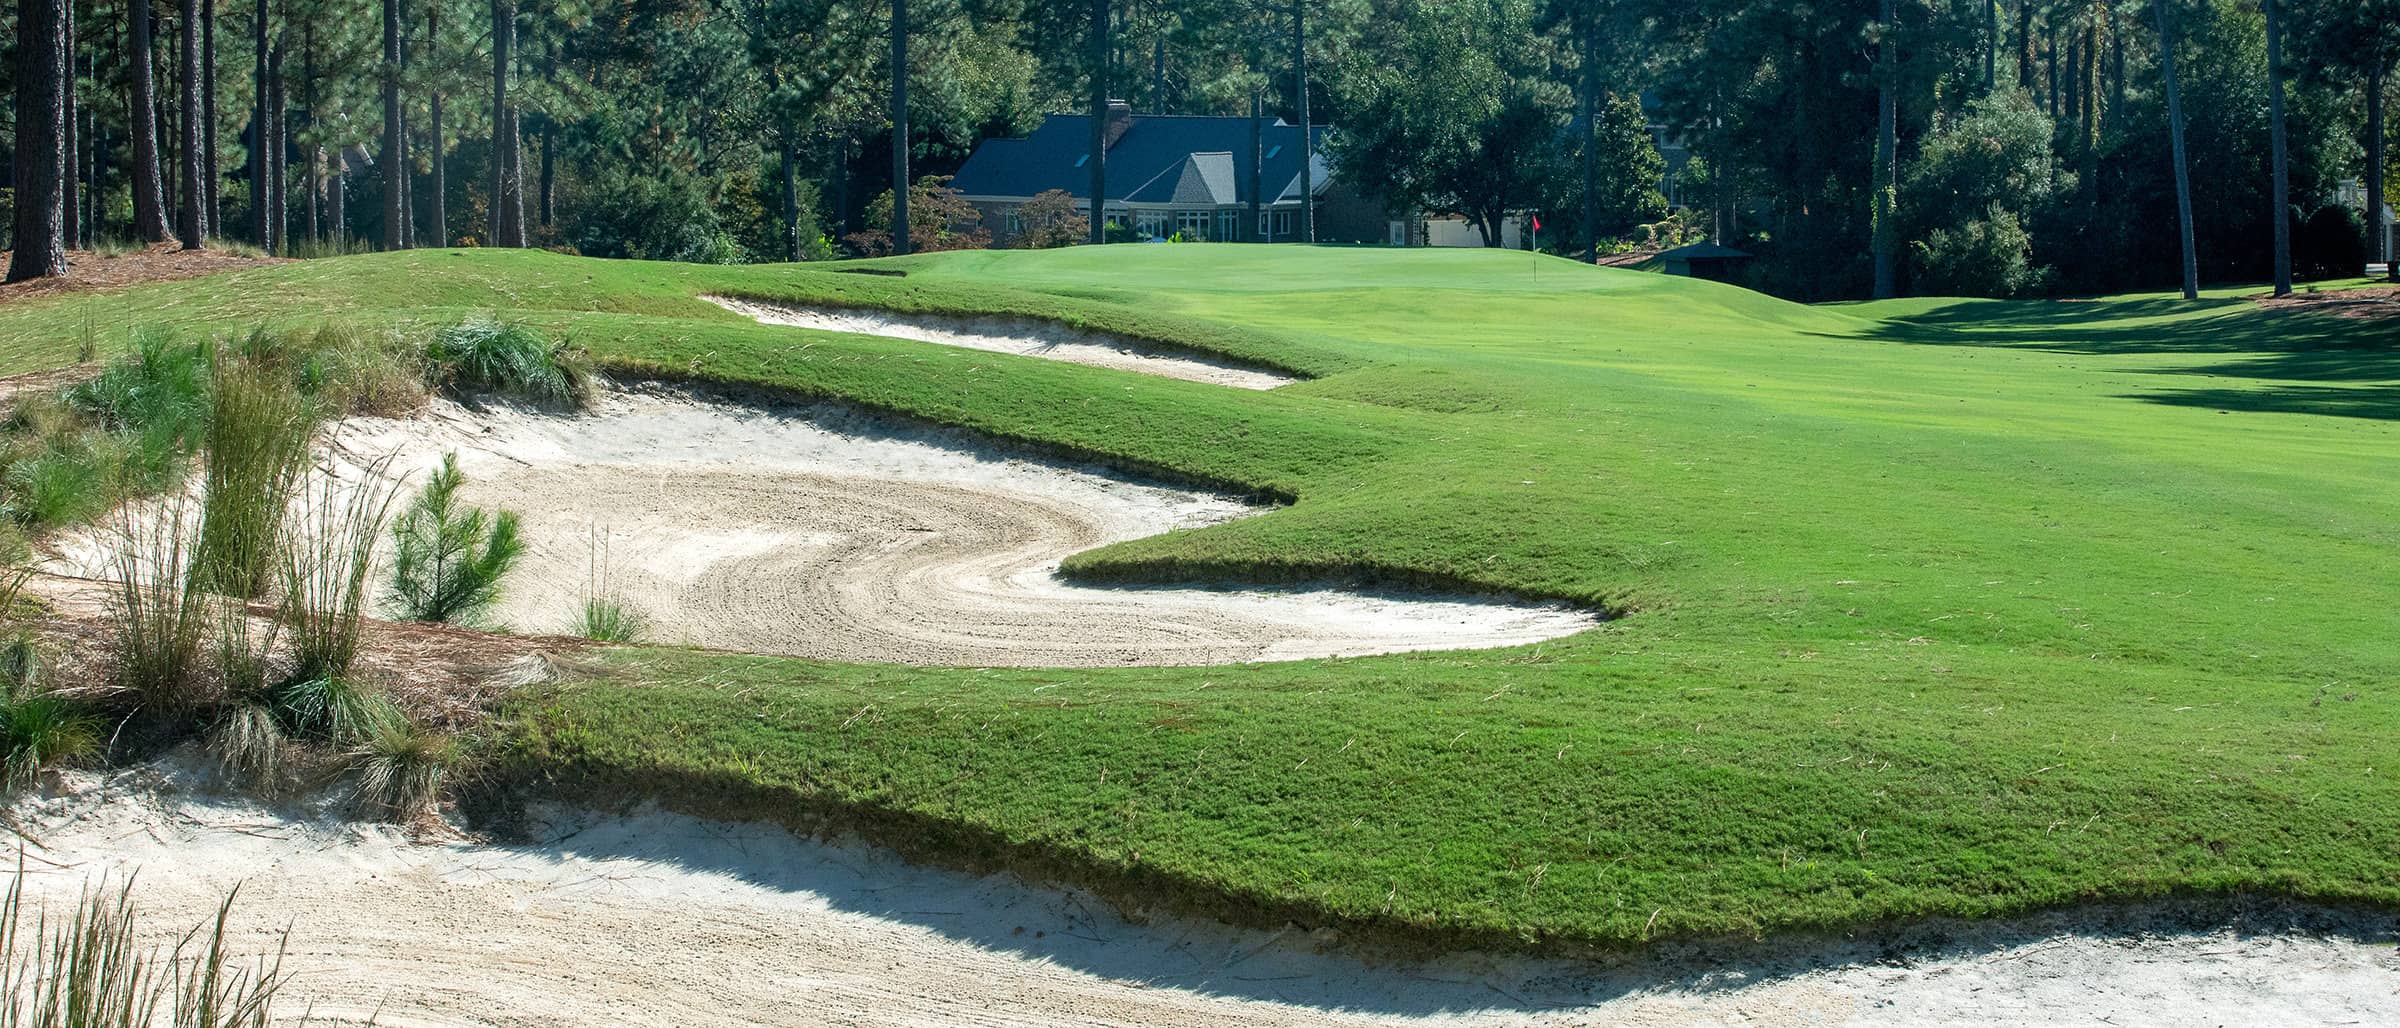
{"x": 1705, "y": 260}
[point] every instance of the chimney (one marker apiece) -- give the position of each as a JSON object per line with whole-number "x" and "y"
{"x": 1120, "y": 118}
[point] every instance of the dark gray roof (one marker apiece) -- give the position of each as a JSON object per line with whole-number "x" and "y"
{"x": 1700, "y": 252}
{"x": 1160, "y": 159}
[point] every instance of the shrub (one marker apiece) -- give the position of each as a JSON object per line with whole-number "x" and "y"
{"x": 447, "y": 558}
{"x": 256, "y": 443}
{"x": 485, "y": 353}
{"x": 399, "y": 769}
{"x": 1986, "y": 257}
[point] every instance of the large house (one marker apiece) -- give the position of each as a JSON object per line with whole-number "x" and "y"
{"x": 1174, "y": 176}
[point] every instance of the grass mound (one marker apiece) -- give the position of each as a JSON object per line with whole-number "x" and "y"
{"x": 1935, "y": 607}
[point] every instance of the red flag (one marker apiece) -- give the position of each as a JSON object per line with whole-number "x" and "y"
{"x": 1537, "y": 222}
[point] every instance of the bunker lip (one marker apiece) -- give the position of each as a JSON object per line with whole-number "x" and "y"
{"x": 747, "y": 923}
{"x": 1023, "y": 336}
{"x": 826, "y": 532}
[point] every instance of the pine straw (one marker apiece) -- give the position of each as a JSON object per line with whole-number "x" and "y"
{"x": 88, "y": 271}
{"x": 443, "y": 677}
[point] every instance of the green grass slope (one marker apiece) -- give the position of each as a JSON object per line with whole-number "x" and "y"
{"x": 1932, "y": 607}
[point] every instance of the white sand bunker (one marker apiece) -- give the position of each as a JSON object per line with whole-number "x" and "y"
{"x": 657, "y": 919}
{"x": 824, "y": 533}
{"x": 1023, "y": 336}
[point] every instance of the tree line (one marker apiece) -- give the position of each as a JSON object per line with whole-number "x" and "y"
{"x": 1858, "y": 147}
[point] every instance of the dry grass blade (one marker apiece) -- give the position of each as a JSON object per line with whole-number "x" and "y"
{"x": 329, "y": 566}
{"x": 159, "y": 618}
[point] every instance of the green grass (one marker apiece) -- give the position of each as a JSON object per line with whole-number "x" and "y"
{"x": 1931, "y": 607}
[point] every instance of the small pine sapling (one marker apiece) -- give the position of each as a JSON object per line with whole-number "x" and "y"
{"x": 448, "y": 558}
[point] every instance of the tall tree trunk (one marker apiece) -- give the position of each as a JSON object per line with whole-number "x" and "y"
{"x": 2167, "y": 43}
{"x": 549, "y": 184}
{"x": 1588, "y": 85}
{"x": 314, "y": 186}
{"x": 191, "y": 223}
{"x": 2381, "y": 245}
{"x": 337, "y": 199}
{"x": 437, "y": 217}
{"x": 260, "y": 231}
{"x": 1308, "y": 192}
{"x": 395, "y": 136}
{"x": 2276, "y": 138}
{"x": 899, "y": 126}
{"x": 38, "y": 247}
{"x": 1887, "y": 144}
{"x": 2025, "y": 46}
{"x": 2050, "y": 61}
{"x": 208, "y": 117}
{"x": 2116, "y": 65}
{"x": 2087, "y": 77}
{"x": 1096, "y": 164}
{"x": 278, "y": 157}
{"x": 1259, "y": 233}
{"x": 840, "y": 174}
{"x": 788, "y": 171}
{"x": 71, "y": 194}
{"x": 149, "y": 192}
{"x": 508, "y": 197}
{"x": 1991, "y": 46}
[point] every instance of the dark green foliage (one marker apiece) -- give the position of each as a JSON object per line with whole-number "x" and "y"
{"x": 448, "y": 558}
{"x": 492, "y": 355}
{"x": 657, "y": 216}
{"x": 2332, "y": 243}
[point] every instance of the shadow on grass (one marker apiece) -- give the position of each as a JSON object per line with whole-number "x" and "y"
{"x": 1049, "y": 927}
{"x": 2268, "y": 346}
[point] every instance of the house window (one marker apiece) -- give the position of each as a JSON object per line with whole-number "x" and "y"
{"x": 1275, "y": 223}
{"x": 1014, "y": 221}
{"x": 1229, "y": 225}
{"x": 1192, "y": 225}
{"x": 1150, "y": 224}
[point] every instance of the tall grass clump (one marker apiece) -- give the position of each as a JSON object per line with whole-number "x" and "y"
{"x": 448, "y": 558}
{"x": 399, "y": 769}
{"x": 489, "y": 354}
{"x": 39, "y": 729}
{"x": 87, "y": 970}
{"x": 162, "y": 386}
{"x": 161, "y": 619}
{"x": 328, "y": 567}
{"x": 604, "y": 617}
{"x": 255, "y": 446}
